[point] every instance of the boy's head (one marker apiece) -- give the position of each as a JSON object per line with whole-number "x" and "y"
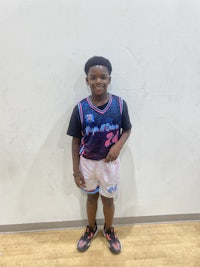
{"x": 100, "y": 61}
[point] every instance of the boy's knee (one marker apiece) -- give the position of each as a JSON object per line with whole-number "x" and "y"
{"x": 92, "y": 197}
{"x": 106, "y": 200}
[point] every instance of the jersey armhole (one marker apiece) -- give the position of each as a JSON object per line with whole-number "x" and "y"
{"x": 121, "y": 105}
{"x": 80, "y": 110}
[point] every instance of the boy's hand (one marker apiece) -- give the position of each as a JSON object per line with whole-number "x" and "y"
{"x": 113, "y": 153}
{"x": 79, "y": 179}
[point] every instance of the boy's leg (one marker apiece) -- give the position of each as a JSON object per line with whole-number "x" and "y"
{"x": 91, "y": 229}
{"x": 91, "y": 206}
{"x": 108, "y": 210}
{"x": 108, "y": 231}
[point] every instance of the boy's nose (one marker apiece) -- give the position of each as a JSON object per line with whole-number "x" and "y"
{"x": 98, "y": 80}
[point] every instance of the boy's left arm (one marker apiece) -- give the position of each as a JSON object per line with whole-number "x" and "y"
{"x": 116, "y": 148}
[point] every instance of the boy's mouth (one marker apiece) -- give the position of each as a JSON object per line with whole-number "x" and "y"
{"x": 99, "y": 87}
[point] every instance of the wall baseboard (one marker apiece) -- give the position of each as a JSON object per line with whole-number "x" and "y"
{"x": 42, "y": 226}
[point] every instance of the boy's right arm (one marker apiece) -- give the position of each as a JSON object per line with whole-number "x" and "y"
{"x": 78, "y": 177}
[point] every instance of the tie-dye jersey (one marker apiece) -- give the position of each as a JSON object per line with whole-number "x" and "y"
{"x": 100, "y": 128}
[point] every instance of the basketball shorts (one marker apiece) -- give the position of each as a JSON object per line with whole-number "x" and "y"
{"x": 100, "y": 176}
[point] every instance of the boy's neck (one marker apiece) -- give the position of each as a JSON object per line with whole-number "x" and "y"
{"x": 99, "y": 100}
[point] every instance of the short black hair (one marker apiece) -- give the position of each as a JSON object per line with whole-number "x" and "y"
{"x": 96, "y": 60}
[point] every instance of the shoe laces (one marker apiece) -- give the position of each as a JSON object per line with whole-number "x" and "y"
{"x": 89, "y": 232}
{"x": 110, "y": 234}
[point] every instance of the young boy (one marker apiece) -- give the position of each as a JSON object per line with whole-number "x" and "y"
{"x": 100, "y": 126}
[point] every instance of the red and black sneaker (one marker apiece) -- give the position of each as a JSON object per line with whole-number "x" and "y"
{"x": 85, "y": 240}
{"x": 113, "y": 241}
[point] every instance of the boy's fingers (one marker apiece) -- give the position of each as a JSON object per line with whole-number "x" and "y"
{"x": 81, "y": 182}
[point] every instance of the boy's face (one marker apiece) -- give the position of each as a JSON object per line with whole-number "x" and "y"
{"x": 98, "y": 79}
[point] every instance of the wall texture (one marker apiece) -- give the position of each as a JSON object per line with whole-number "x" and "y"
{"x": 154, "y": 48}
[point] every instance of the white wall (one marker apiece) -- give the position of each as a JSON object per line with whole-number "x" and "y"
{"x": 154, "y": 48}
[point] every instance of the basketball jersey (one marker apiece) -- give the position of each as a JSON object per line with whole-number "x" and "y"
{"x": 101, "y": 128}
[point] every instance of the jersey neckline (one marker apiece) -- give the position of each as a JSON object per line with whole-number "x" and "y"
{"x": 98, "y": 109}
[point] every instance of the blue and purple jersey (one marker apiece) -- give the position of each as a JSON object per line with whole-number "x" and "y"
{"x": 101, "y": 128}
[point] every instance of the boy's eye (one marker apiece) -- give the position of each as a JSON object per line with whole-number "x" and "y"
{"x": 103, "y": 77}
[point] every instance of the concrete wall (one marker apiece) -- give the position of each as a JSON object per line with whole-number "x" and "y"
{"x": 154, "y": 48}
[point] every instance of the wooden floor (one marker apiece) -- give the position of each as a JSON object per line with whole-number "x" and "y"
{"x": 176, "y": 244}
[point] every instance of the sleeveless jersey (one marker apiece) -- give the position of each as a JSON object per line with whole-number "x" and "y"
{"x": 100, "y": 128}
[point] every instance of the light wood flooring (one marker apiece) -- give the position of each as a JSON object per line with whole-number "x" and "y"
{"x": 174, "y": 244}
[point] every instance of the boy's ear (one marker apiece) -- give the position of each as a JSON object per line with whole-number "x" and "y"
{"x": 86, "y": 79}
{"x": 109, "y": 79}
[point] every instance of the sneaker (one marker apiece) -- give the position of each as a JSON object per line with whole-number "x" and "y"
{"x": 113, "y": 241}
{"x": 85, "y": 240}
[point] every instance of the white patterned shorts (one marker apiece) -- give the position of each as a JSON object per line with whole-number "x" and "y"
{"x": 100, "y": 176}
